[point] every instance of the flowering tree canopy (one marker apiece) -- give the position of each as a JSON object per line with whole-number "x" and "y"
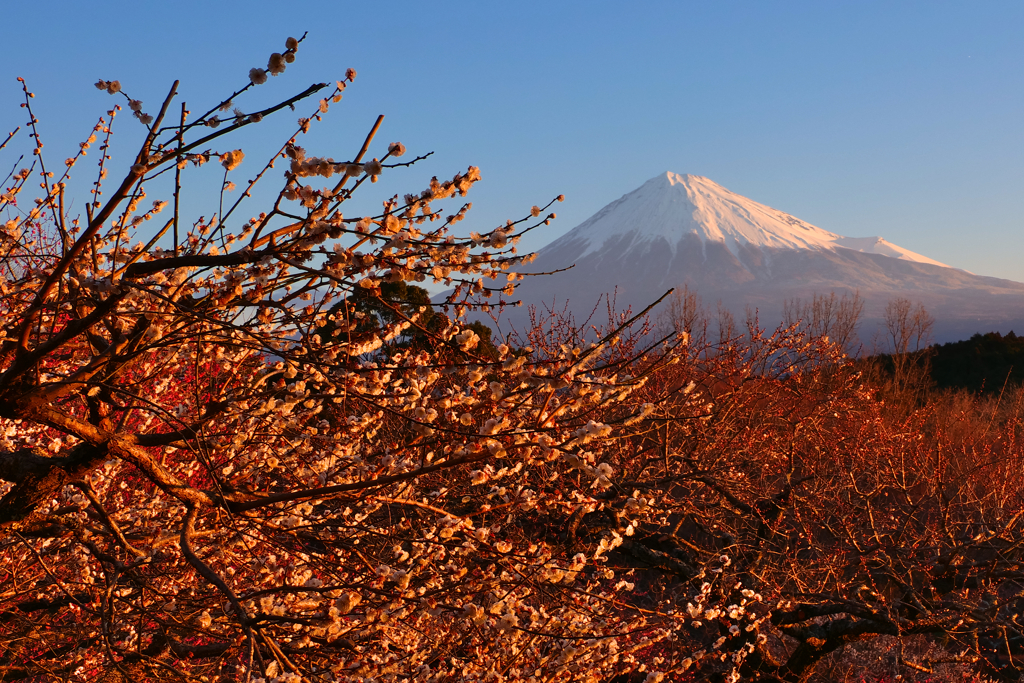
{"x": 249, "y": 449}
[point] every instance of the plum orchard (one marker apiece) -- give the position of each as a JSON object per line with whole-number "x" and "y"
{"x": 230, "y": 454}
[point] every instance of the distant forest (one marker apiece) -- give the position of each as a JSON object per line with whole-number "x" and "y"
{"x": 985, "y": 362}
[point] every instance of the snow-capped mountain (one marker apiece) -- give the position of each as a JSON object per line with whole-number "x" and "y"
{"x": 685, "y": 229}
{"x": 672, "y": 206}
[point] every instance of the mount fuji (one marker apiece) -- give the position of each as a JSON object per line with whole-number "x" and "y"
{"x": 677, "y": 230}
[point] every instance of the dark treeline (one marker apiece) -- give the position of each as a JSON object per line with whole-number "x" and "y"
{"x": 985, "y": 363}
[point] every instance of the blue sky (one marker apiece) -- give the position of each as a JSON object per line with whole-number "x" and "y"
{"x": 895, "y": 119}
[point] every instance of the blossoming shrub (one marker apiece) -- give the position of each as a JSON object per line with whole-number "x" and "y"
{"x": 216, "y": 468}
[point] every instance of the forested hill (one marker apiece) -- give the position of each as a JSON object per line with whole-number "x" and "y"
{"x": 985, "y": 362}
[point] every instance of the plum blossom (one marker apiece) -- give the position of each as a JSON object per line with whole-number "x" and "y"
{"x": 372, "y": 167}
{"x": 231, "y": 160}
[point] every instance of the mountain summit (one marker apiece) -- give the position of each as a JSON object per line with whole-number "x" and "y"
{"x": 673, "y": 206}
{"x": 677, "y": 230}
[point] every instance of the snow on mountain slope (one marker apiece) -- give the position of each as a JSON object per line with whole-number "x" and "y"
{"x": 672, "y": 206}
{"x": 877, "y": 245}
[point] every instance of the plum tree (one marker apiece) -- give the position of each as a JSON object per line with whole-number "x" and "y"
{"x": 212, "y": 470}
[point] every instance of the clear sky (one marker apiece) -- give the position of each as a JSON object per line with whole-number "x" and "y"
{"x": 904, "y": 120}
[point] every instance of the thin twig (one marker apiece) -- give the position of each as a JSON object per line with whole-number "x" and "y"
{"x": 177, "y": 174}
{"x": 9, "y": 136}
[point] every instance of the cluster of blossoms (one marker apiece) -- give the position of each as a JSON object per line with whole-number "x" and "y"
{"x": 114, "y": 87}
{"x": 277, "y": 63}
{"x": 304, "y": 167}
